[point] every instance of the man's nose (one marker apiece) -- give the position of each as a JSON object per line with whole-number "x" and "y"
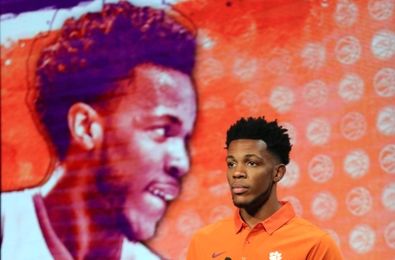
{"x": 239, "y": 172}
{"x": 177, "y": 162}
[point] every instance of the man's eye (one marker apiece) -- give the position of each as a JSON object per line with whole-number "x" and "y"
{"x": 231, "y": 164}
{"x": 159, "y": 133}
{"x": 251, "y": 164}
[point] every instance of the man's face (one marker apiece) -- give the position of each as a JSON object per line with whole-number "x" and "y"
{"x": 144, "y": 152}
{"x": 250, "y": 172}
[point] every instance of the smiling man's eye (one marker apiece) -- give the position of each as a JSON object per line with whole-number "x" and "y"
{"x": 159, "y": 131}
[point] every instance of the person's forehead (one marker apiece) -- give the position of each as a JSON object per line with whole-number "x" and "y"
{"x": 153, "y": 92}
{"x": 246, "y": 146}
{"x": 155, "y": 85}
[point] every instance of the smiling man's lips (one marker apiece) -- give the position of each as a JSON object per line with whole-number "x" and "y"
{"x": 167, "y": 191}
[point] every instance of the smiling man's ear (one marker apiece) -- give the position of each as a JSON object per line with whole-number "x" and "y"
{"x": 85, "y": 126}
{"x": 279, "y": 171}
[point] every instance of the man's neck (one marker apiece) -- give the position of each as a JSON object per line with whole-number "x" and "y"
{"x": 259, "y": 215}
{"x": 71, "y": 205}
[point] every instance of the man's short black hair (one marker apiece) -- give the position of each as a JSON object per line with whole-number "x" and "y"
{"x": 274, "y": 135}
{"x": 95, "y": 51}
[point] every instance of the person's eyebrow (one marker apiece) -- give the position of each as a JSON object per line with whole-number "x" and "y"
{"x": 173, "y": 121}
{"x": 252, "y": 155}
{"x": 247, "y": 156}
{"x": 165, "y": 118}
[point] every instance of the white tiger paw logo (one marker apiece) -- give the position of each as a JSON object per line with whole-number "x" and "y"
{"x": 275, "y": 255}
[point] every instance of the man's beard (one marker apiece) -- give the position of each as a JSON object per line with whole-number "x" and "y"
{"x": 113, "y": 199}
{"x": 256, "y": 204}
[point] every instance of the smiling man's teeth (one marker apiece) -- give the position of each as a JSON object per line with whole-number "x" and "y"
{"x": 161, "y": 194}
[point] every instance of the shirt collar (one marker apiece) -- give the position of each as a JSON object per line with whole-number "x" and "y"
{"x": 55, "y": 245}
{"x": 239, "y": 222}
{"x": 272, "y": 223}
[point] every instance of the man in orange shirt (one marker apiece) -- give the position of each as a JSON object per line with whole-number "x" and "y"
{"x": 262, "y": 227}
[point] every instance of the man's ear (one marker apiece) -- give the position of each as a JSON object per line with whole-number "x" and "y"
{"x": 85, "y": 126}
{"x": 279, "y": 172}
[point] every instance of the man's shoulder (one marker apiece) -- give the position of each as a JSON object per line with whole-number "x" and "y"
{"x": 216, "y": 227}
{"x": 16, "y": 207}
{"x": 16, "y": 200}
{"x": 21, "y": 233}
{"x": 306, "y": 229}
{"x": 304, "y": 224}
{"x": 26, "y": 193}
{"x": 323, "y": 246}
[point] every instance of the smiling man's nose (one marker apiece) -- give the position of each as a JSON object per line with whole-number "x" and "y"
{"x": 177, "y": 162}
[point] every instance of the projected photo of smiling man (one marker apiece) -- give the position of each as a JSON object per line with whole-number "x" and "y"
{"x": 117, "y": 101}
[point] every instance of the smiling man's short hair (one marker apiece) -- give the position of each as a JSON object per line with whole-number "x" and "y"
{"x": 93, "y": 52}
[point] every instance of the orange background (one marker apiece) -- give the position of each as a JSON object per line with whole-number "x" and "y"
{"x": 326, "y": 69}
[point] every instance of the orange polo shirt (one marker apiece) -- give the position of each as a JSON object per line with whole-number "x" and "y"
{"x": 281, "y": 236}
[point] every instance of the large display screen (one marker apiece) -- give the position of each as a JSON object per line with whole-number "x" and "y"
{"x": 114, "y": 116}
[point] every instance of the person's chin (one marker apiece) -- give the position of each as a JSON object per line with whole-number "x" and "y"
{"x": 147, "y": 231}
{"x": 134, "y": 231}
{"x": 141, "y": 232}
{"x": 240, "y": 203}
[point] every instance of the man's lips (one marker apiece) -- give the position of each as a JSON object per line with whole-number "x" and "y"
{"x": 166, "y": 191}
{"x": 239, "y": 189}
